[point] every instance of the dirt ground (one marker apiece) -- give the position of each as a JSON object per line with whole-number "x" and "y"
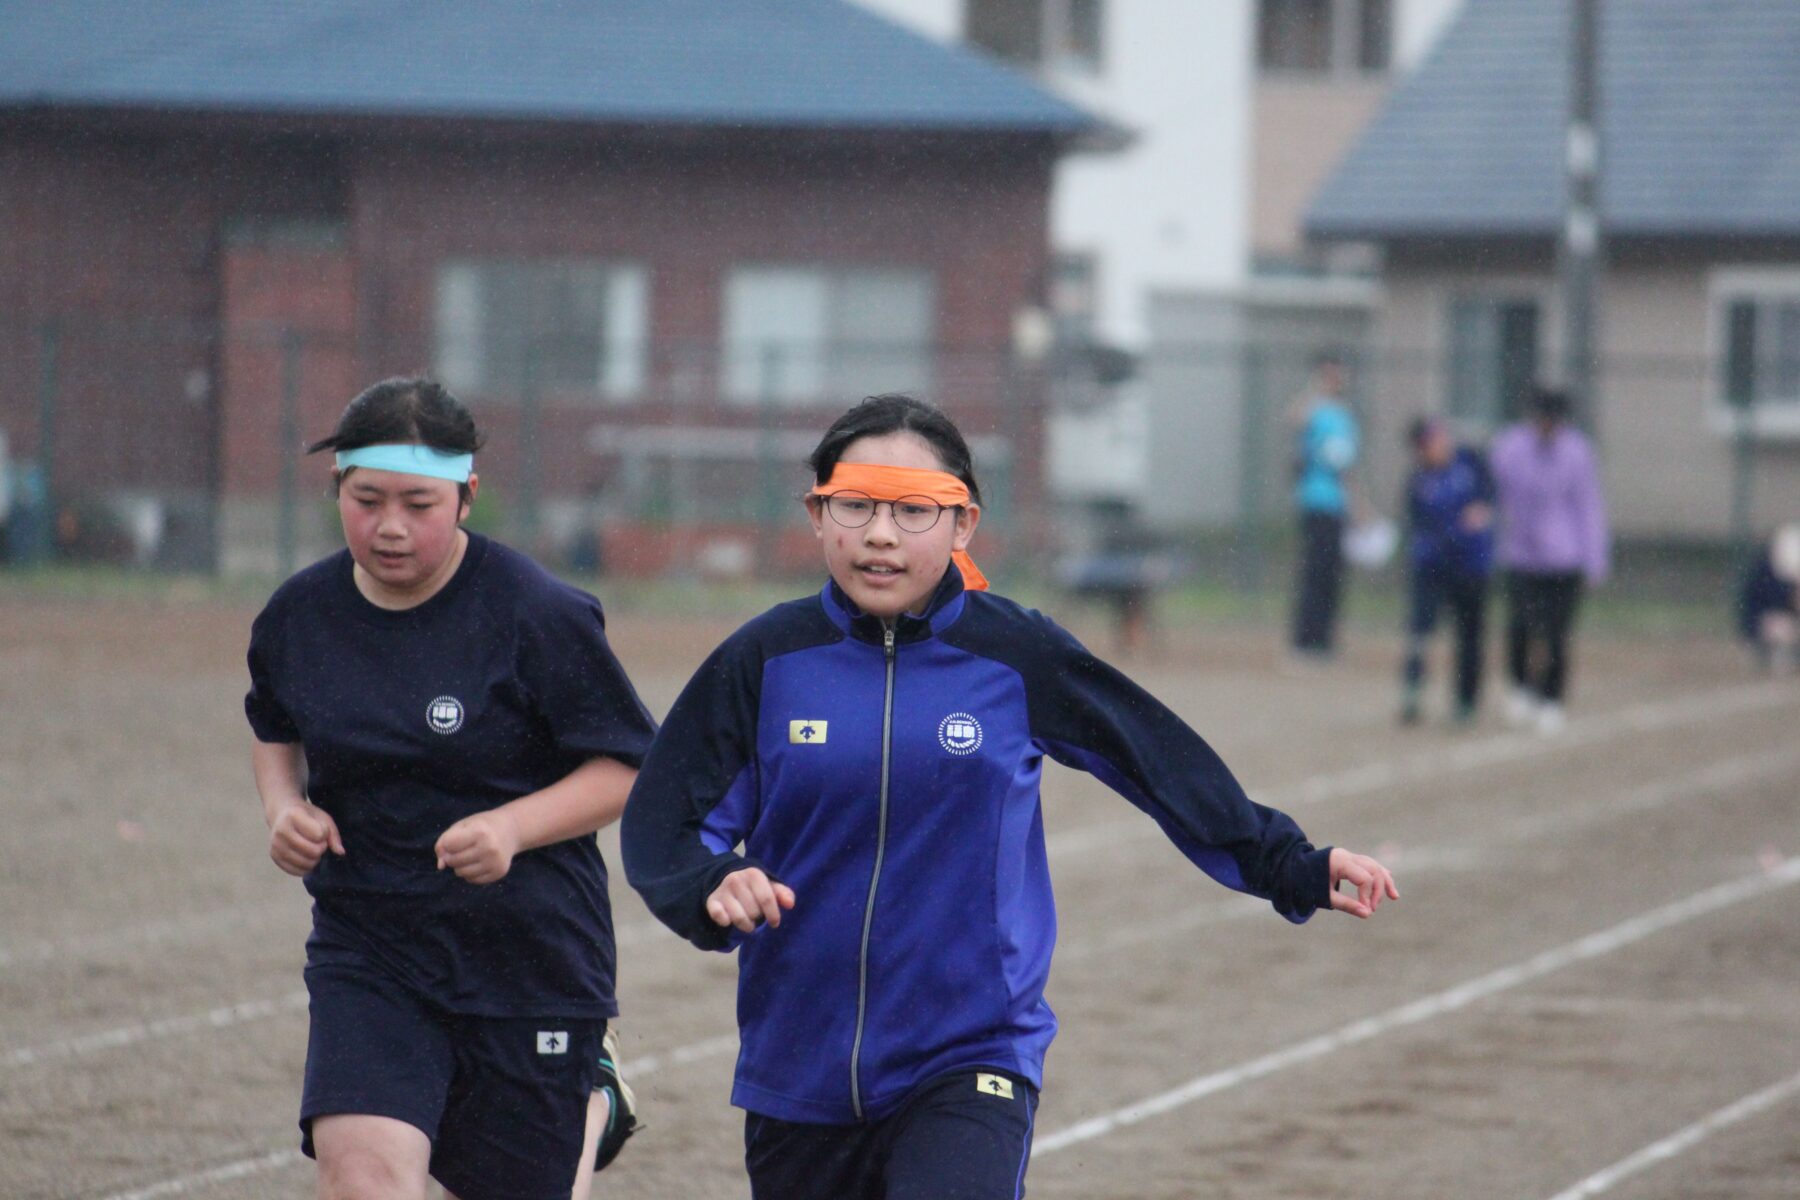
{"x": 1595, "y": 954}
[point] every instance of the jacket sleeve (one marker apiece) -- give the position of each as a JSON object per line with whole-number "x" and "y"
{"x": 1088, "y": 715}
{"x": 696, "y": 796}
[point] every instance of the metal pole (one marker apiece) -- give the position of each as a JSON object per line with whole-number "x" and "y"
{"x": 768, "y": 509}
{"x": 286, "y": 538}
{"x": 529, "y": 462}
{"x": 1252, "y": 459}
{"x": 1578, "y": 259}
{"x": 49, "y": 367}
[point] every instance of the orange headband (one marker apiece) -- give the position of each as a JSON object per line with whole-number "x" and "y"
{"x": 897, "y": 483}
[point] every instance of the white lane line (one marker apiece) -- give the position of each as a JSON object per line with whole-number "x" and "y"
{"x": 132, "y": 937}
{"x": 222, "y": 1017}
{"x": 680, "y": 1056}
{"x": 243, "y": 1168}
{"x": 1442, "y": 1002}
{"x": 260, "y": 1164}
{"x": 1712, "y": 777}
{"x": 1426, "y": 1008}
{"x": 1683, "y": 1140}
{"x": 1351, "y": 781}
{"x": 1410, "y": 863}
{"x": 1440, "y": 761}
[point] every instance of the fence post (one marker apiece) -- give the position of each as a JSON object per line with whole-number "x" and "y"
{"x": 1252, "y": 458}
{"x": 529, "y": 461}
{"x": 1740, "y": 395}
{"x": 286, "y": 528}
{"x": 769, "y": 371}
{"x": 49, "y": 382}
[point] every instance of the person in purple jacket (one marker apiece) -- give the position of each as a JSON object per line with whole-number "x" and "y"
{"x": 1553, "y": 541}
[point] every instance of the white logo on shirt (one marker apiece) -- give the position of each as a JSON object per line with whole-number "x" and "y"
{"x": 444, "y": 715}
{"x": 959, "y": 733}
{"x": 553, "y": 1041}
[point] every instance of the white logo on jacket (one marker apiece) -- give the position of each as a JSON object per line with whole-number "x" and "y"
{"x": 553, "y": 1041}
{"x": 444, "y": 715}
{"x": 960, "y": 733}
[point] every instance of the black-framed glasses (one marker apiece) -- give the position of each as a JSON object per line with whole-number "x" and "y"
{"x": 853, "y": 510}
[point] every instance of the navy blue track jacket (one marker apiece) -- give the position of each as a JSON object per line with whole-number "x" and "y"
{"x": 890, "y": 777}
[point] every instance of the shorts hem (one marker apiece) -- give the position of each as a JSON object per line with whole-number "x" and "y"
{"x": 327, "y": 1107}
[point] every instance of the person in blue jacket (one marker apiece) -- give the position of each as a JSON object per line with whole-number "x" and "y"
{"x": 1326, "y": 443}
{"x": 1450, "y": 542}
{"x": 876, "y": 750}
{"x": 440, "y": 728}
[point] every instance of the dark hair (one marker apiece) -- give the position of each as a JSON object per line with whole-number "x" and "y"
{"x": 1419, "y": 430}
{"x": 895, "y": 413}
{"x": 405, "y": 409}
{"x": 1549, "y": 404}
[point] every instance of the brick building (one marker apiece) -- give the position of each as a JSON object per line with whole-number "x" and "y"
{"x": 654, "y": 243}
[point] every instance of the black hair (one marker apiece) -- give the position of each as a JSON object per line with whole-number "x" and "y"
{"x": 1549, "y": 404}
{"x": 877, "y": 416}
{"x": 405, "y": 409}
{"x": 1418, "y": 429}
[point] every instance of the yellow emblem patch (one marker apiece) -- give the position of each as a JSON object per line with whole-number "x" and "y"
{"x": 994, "y": 1085}
{"x": 806, "y": 733}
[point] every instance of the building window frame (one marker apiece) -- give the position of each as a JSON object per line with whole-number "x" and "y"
{"x": 1484, "y": 395}
{"x": 1753, "y": 351}
{"x": 827, "y": 363}
{"x": 1349, "y": 39}
{"x": 488, "y": 309}
{"x": 1059, "y": 36}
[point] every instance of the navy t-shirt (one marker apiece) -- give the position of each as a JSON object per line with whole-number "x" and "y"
{"x": 497, "y": 686}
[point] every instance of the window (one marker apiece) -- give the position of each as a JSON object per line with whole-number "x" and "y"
{"x": 1493, "y": 358}
{"x": 1074, "y": 296}
{"x": 508, "y": 327}
{"x": 1374, "y": 34}
{"x": 801, "y": 335}
{"x": 1324, "y": 37}
{"x": 1762, "y": 349}
{"x": 1052, "y": 34}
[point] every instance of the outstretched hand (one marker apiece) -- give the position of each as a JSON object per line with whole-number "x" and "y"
{"x": 1372, "y": 881}
{"x": 746, "y": 897}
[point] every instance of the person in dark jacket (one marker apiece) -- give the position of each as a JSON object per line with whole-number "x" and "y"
{"x": 1450, "y": 547}
{"x": 1768, "y": 608}
{"x": 440, "y": 727}
{"x": 875, "y": 750}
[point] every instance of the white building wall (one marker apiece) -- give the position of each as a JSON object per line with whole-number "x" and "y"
{"x": 940, "y": 20}
{"x": 1168, "y": 212}
{"x": 1417, "y": 24}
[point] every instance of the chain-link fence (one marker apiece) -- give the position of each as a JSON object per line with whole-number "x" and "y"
{"x": 180, "y": 446}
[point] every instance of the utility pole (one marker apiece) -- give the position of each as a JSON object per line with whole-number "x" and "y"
{"x": 1578, "y": 248}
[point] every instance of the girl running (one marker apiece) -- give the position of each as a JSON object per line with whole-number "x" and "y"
{"x": 440, "y": 728}
{"x": 876, "y": 751}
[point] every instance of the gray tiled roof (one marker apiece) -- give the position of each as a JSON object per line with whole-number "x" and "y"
{"x": 781, "y": 63}
{"x": 1700, "y": 126}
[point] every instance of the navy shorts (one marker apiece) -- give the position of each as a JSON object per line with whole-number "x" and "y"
{"x": 503, "y": 1100}
{"x": 964, "y": 1136}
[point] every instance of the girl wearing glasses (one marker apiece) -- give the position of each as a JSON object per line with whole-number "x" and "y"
{"x": 440, "y": 728}
{"x": 875, "y": 750}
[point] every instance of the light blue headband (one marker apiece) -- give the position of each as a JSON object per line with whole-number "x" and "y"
{"x": 407, "y": 458}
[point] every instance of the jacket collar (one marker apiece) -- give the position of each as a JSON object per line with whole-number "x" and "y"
{"x": 945, "y": 607}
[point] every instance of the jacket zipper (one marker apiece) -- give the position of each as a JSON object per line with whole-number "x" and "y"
{"x": 862, "y": 982}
